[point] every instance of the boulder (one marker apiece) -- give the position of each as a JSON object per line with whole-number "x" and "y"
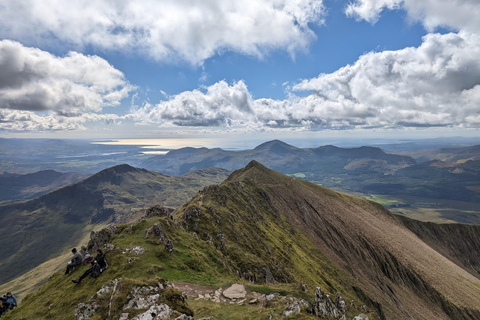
{"x": 323, "y": 305}
{"x": 236, "y": 291}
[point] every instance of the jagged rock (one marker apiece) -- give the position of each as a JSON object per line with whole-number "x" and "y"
{"x": 295, "y": 307}
{"x": 340, "y": 304}
{"x": 85, "y": 311}
{"x": 222, "y": 246}
{"x": 142, "y": 298}
{"x": 323, "y": 305}
{"x": 184, "y": 317}
{"x": 158, "y": 210}
{"x": 236, "y": 291}
{"x": 123, "y": 316}
{"x": 268, "y": 275}
{"x": 99, "y": 239}
{"x": 361, "y": 316}
{"x": 158, "y": 231}
{"x": 156, "y": 312}
{"x": 304, "y": 288}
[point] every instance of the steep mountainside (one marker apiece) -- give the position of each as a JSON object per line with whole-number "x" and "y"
{"x": 33, "y": 230}
{"x": 276, "y": 233}
{"x": 28, "y": 186}
{"x": 390, "y": 264}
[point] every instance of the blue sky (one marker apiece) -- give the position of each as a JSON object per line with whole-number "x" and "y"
{"x": 286, "y": 68}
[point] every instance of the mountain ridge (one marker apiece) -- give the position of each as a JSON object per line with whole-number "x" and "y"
{"x": 51, "y": 222}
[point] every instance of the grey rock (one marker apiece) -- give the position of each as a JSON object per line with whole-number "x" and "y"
{"x": 142, "y": 297}
{"x": 137, "y": 250}
{"x": 323, "y": 305}
{"x": 361, "y": 316}
{"x": 184, "y": 317}
{"x": 158, "y": 211}
{"x": 85, "y": 311}
{"x": 235, "y": 291}
{"x": 123, "y": 316}
{"x": 156, "y": 312}
{"x": 268, "y": 275}
{"x": 99, "y": 239}
{"x": 304, "y": 288}
{"x": 295, "y": 307}
{"x": 270, "y": 297}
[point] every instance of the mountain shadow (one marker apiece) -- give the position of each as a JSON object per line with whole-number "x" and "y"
{"x": 34, "y": 230}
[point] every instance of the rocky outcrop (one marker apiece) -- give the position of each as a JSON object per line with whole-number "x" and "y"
{"x": 158, "y": 211}
{"x": 157, "y": 231}
{"x": 323, "y": 306}
{"x": 144, "y": 302}
{"x": 98, "y": 240}
{"x": 295, "y": 307}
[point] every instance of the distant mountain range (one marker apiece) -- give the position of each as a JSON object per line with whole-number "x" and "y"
{"x": 364, "y": 169}
{"x": 274, "y": 233}
{"x": 32, "y": 231}
{"x": 28, "y": 186}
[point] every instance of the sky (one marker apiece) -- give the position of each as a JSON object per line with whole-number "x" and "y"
{"x": 219, "y": 68}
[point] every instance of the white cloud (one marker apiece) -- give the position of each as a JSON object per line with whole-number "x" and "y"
{"x": 458, "y": 14}
{"x": 21, "y": 121}
{"x": 35, "y": 80}
{"x": 436, "y": 84}
{"x": 40, "y": 91}
{"x": 165, "y": 30}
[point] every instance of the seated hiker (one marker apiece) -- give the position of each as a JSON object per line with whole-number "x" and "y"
{"x": 98, "y": 265}
{"x": 76, "y": 260}
{"x": 9, "y": 301}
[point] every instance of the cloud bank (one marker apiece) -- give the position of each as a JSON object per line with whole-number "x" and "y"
{"x": 165, "y": 30}
{"x": 458, "y": 14}
{"x": 75, "y": 86}
{"x": 436, "y": 84}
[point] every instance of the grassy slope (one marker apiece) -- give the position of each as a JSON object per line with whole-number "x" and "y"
{"x": 34, "y": 231}
{"x": 195, "y": 261}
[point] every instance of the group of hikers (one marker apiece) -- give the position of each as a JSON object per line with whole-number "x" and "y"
{"x": 98, "y": 264}
{"x": 7, "y": 302}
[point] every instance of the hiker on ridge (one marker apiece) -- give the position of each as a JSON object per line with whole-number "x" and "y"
{"x": 76, "y": 260}
{"x": 9, "y": 301}
{"x": 98, "y": 265}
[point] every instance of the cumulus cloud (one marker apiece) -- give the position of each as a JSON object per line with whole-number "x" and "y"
{"x": 165, "y": 30}
{"x": 19, "y": 120}
{"x": 35, "y": 80}
{"x": 436, "y": 84}
{"x": 458, "y": 14}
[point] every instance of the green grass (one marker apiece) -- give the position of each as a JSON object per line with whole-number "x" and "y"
{"x": 382, "y": 201}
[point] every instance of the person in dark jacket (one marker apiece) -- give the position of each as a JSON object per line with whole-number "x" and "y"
{"x": 76, "y": 260}
{"x": 9, "y": 301}
{"x": 98, "y": 263}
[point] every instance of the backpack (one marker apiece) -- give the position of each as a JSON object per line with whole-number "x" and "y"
{"x": 97, "y": 271}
